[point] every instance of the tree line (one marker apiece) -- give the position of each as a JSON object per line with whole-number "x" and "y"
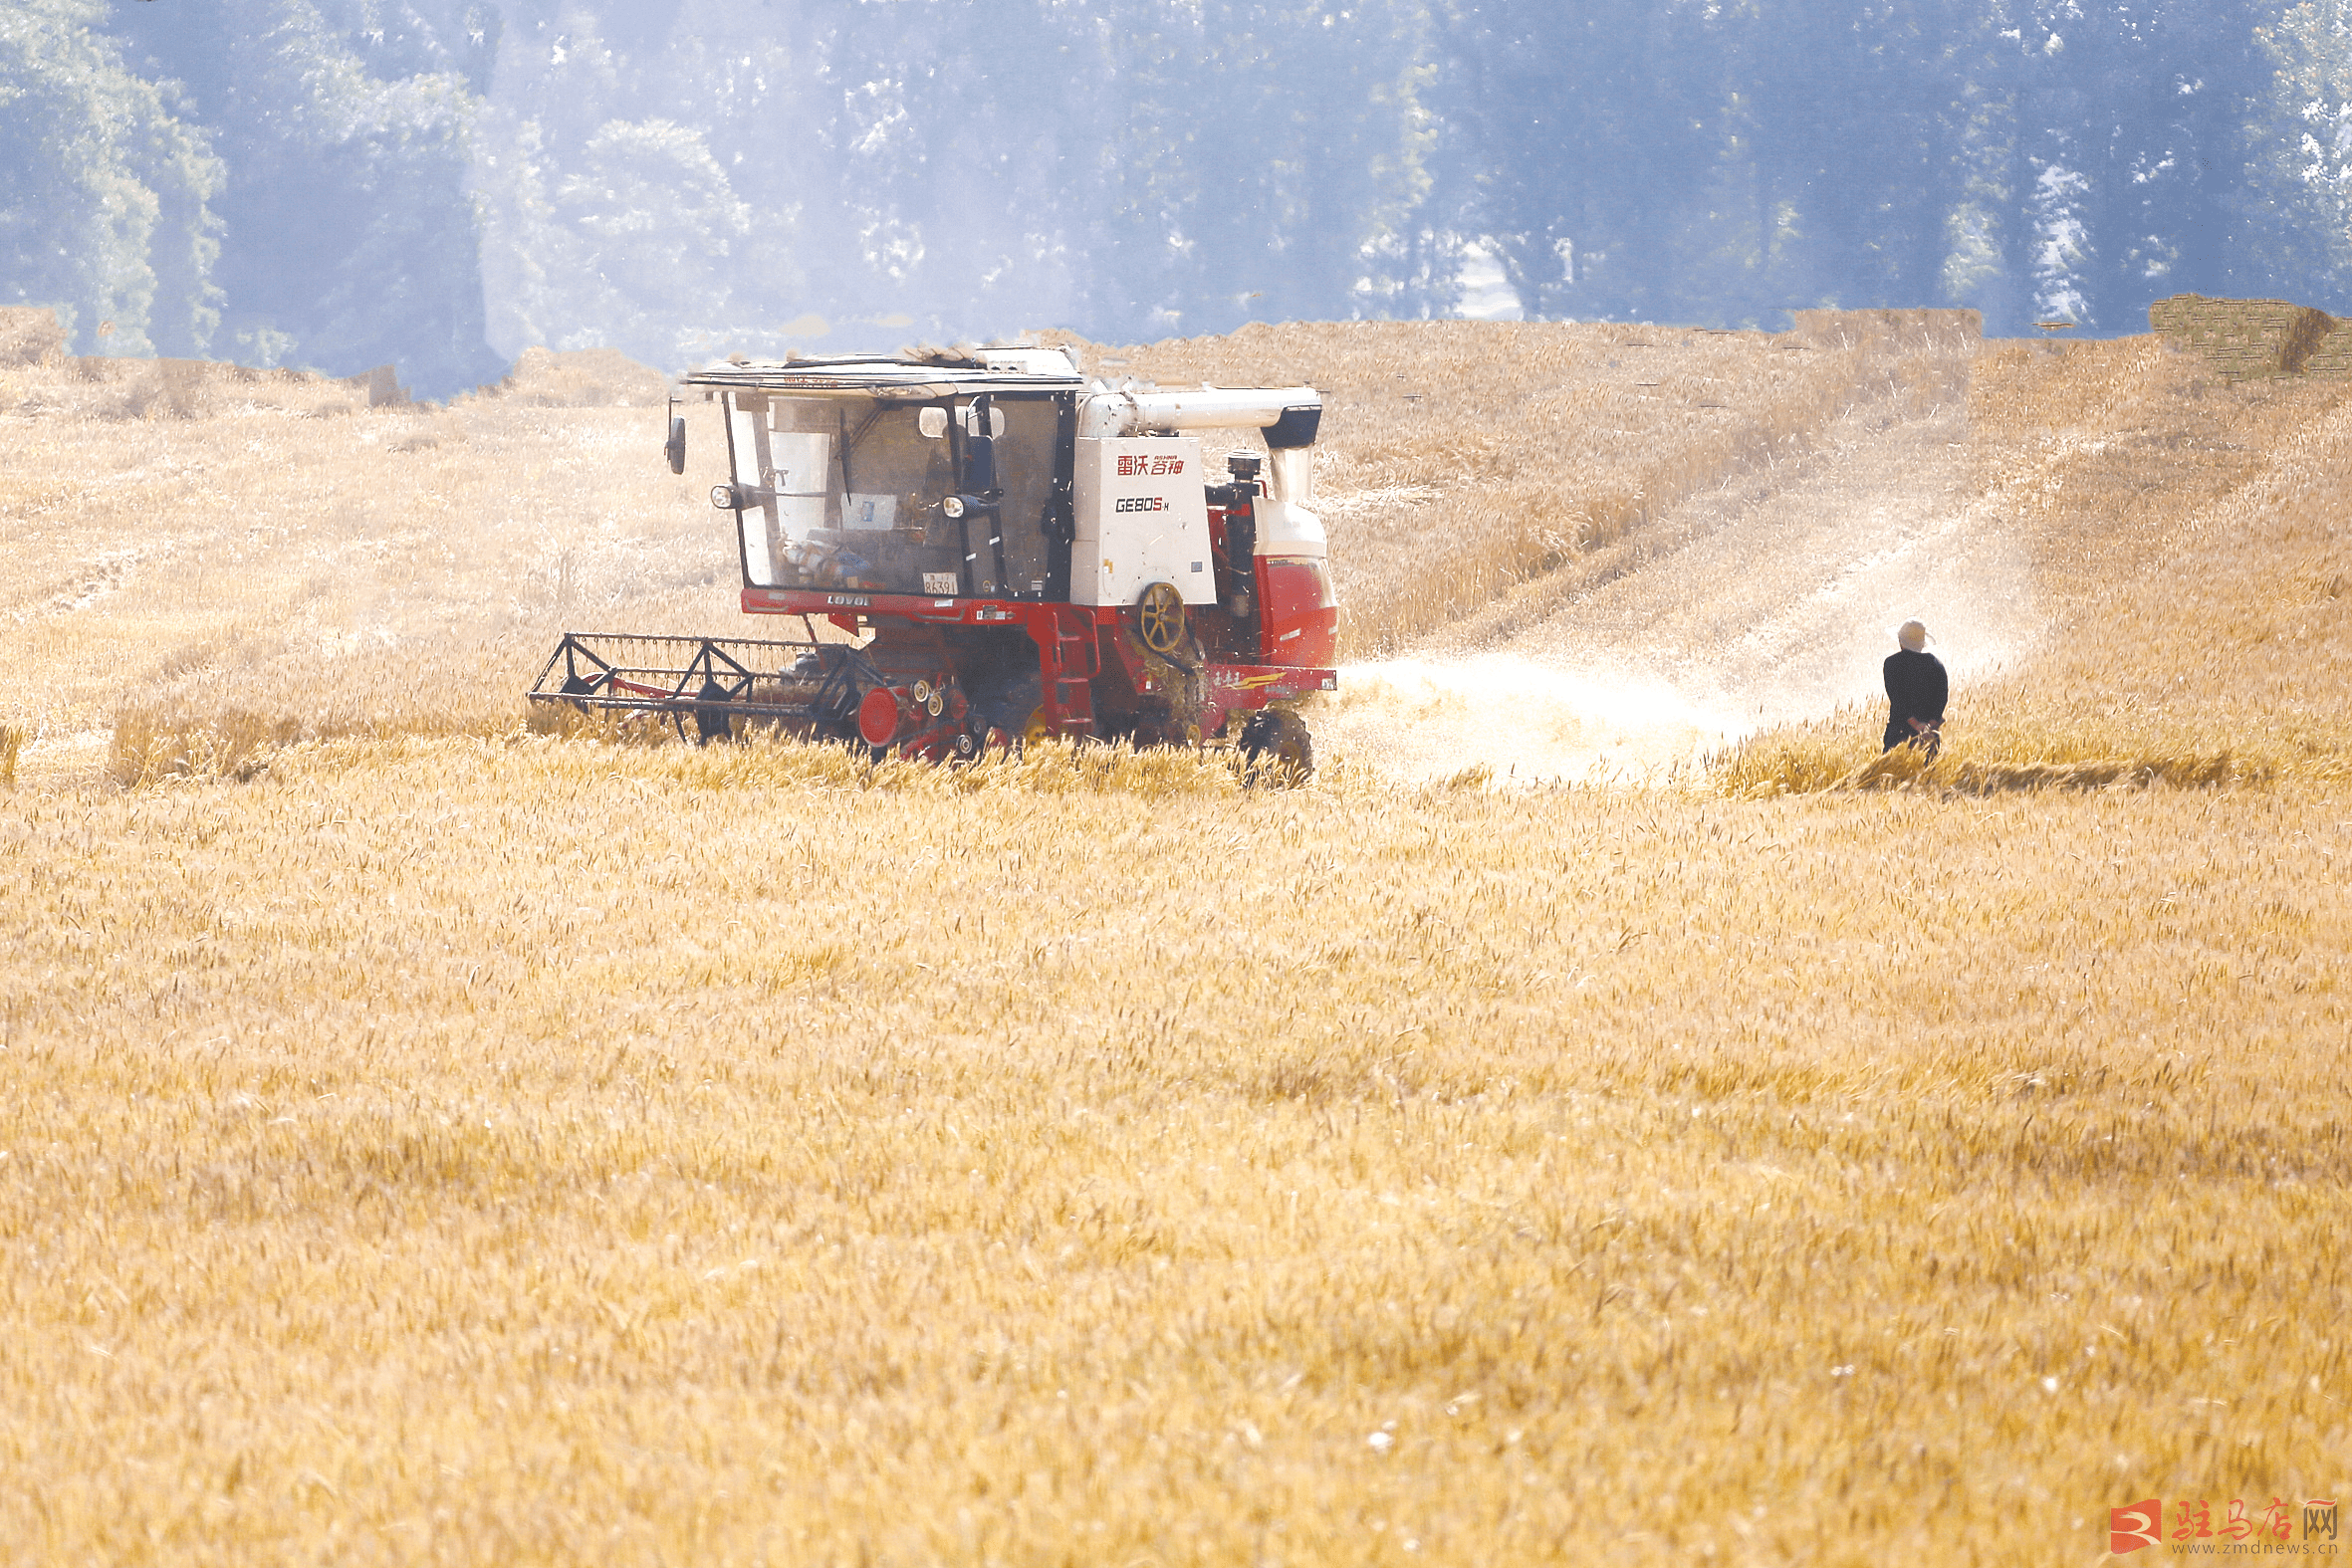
{"x": 440, "y": 183}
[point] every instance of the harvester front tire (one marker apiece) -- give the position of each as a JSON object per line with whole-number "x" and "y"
{"x": 1161, "y": 616}
{"x": 710, "y": 715}
{"x": 1275, "y": 748}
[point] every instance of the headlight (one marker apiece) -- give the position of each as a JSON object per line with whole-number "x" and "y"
{"x": 953, "y": 506}
{"x": 723, "y": 497}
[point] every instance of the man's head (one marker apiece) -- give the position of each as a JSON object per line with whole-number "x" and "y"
{"x": 1913, "y": 636}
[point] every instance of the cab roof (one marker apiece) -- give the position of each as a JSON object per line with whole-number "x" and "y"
{"x": 919, "y": 373}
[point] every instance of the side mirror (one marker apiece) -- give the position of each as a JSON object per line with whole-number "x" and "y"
{"x": 675, "y": 447}
{"x": 932, "y": 422}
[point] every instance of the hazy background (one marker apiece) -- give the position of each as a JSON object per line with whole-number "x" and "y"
{"x": 441, "y": 183}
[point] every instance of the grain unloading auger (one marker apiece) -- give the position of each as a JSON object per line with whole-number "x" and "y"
{"x": 989, "y": 547}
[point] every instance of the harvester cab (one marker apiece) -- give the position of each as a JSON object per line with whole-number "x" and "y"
{"x": 989, "y": 547}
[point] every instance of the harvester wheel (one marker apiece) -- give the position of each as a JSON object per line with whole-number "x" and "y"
{"x": 556, "y": 718}
{"x": 710, "y": 714}
{"x": 1275, "y": 748}
{"x": 1162, "y": 618}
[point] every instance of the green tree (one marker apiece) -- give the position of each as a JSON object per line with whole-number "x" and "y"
{"x": 641, "y": 176}
{"x": 105, "y": 192}
{"x": 349, "y": 238}
{"x": 2124, "y": 154}
{"x": 1591, "y": 133}
{"x": 2300, "y": 197}
{"x": 1273, "y": 161}
{"x": 1133, "y": 167}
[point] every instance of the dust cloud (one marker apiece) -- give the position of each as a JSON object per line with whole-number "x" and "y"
{"x": 1763, "y": 602}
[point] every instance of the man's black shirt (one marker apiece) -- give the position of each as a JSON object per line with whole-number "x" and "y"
{"x": 1916, "y": 687}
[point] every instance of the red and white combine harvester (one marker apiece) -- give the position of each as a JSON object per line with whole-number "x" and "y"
{"x": 1003, "y": 549}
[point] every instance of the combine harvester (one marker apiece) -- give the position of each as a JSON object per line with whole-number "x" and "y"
{"x": 1001, "y": 550}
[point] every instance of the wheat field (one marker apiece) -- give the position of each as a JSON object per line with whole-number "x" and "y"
{"x": 428, "y": 1141}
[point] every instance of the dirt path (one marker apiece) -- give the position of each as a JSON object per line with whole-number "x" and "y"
{"x": 1747, "y": 606}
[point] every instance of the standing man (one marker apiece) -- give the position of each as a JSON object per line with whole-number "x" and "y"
{"x": 1916, "y": 692}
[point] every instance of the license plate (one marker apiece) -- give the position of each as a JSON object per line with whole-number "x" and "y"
{"x": 938, "y": 582}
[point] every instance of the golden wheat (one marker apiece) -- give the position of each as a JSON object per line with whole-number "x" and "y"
{"x": 379, "y": 571}
{"x": 524, "y": 1151}
{"x": 454, "y": 1143}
